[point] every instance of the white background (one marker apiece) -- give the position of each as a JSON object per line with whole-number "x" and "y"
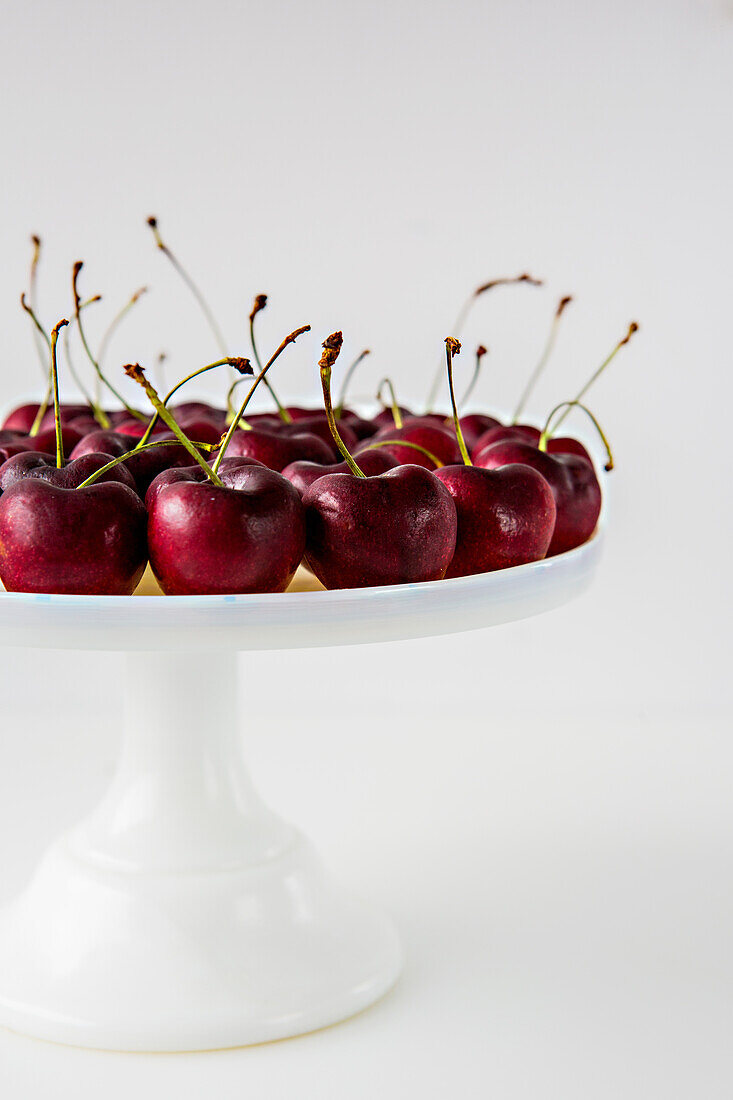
{"x": 546, "y": 808}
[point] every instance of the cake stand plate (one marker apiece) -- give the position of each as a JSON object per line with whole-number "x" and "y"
{"x": 182, "y": 914}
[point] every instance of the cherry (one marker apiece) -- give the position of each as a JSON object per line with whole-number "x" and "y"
{"x": 395, "y": 527}
{"x": 247, "y": 535}
{"x": 69, "y": 476}
{"x": 144, "y": 465}
{"x": 303, "y": 474}
{"x": 86, "y": 541}
{"x": 276, "y": 450}
{"x": 499, "y": 433}
{"x": 574, "y": 485}
{"x": 385, "y": 418}
{"x": 233, "y": 527}
{"x": 438, "y": 441}
{"x": 505, "y": 517}
{"x": 21, "y": 419}
{"x": 81, "y": 540}
{"x": 318, "y": 427}
{"x": 474, "y": 425}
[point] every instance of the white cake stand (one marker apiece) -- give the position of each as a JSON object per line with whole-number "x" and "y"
{"x": 183, "y": 914}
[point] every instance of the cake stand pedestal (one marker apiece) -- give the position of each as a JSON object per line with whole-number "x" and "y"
{"x": 182, "y": 914}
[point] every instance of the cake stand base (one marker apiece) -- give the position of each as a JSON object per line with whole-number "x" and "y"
{"x": 183, "y": 914}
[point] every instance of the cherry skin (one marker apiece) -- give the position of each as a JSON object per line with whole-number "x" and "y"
{"x": 190, "y": 410}
{"x": 438, "y": 441}
{"x": 145, "y": 465}
{"x": 176, "y": 474}
{"x": 361, "y": 427}
{"x": 88, "y": 541}
{"x": 506, "y": 517}
{"x": 45, "y": 441}
{"x": 573, "y": 482}
{"x": 394, "y": 528}
{"x": 474, "y": 425}
{"x": 371, "y": 463}
{"x": 318, "y": 426}
{"x": 277, "y": 450}
{"x": 385, "y": 417}
{"x": 23, "y": 417}
{"x": 248, "y": 536}
{"x": 498, "y": 433}
{"x": 69, "y": 476}
{"x": 68, "y": 414}
{"x": 525, "y": 433}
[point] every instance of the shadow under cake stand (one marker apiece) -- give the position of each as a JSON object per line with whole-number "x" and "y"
{"x": 182, "y": 914}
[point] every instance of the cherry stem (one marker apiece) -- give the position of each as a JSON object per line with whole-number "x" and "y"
{"x": 396, "y": 414}
{"x": 203, "y": 304}
{"x": 98, "y": 412}
{"x": 136, "y": 372}
{"x": 453, "y": 347}
{"x": 290, "y": 339}
{"x": 345, "y": 384}
{"x": 633, "y": 327}
{"x": 481, "y": 351}
{"x": 56, "y": 404}
{"x": 548, "y": 432}
{"x": 77, "y": 313}
{"x": 331, "y": 348}
{"x": 32, "y": 288}
{"x": 242, "y": 365}
{"x": 404, "y": 443}
{"x": 42, "y": 408}
{"x": 231, "y": 413}
{"x": 463, "y": 317}
{"x": 136, "y": 450}
{"x": 259, "y": 304}
{"x": 112, "y": 328}
{"x": 543, "y": 359}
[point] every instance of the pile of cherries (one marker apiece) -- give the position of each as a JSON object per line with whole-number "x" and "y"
{"x": 222, "y": 501}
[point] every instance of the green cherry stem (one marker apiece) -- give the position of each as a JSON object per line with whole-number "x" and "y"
{"x": 136, "y": 372}
{"x": 290, "y": 339}
{"x": 203, "y": 304}
{"x": 241, "y": 365}
{"x": 136, "y": 450}
{"x": 97, "y": 411}
{"x": 112, "y": 328}
{"x": 347, "y": 379}
{"x": 463, "y": 317}
{"x": 453, "y": 347}
{"x": 30, "y": 310}
{"x": 231, "y": 411}
{"x": 85, "y": 344}
{"x": 259, "y": 304}
{"x": 396, "y": 414}
{"x": 56, "y": 404}
{"x": 42, "y": 408}
{"x": 543, "y": 359}
{"x": 404, "y": 443}
{"x": 633, "y": 327}
{"x": 32, "y": 291}
{"x": 481, "y": 351}
{"x": 548, "y": 432}
{"x": 331, "y": 348}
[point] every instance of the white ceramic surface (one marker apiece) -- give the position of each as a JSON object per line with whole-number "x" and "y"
{"x": 182, "y": 914}
{"x": 296, "y": 620}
